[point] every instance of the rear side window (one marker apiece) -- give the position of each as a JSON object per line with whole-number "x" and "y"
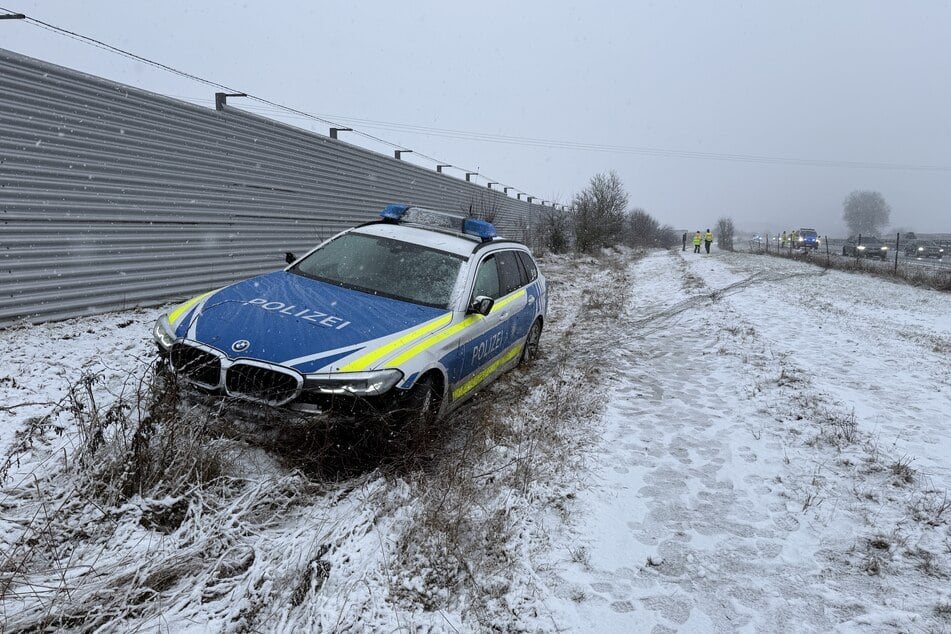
{"x": 510, "y": 273}
{"x": 487, "y": 279}
{"x": 529, "y": 265}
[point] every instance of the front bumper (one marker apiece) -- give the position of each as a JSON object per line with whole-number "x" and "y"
{"x": 267, "y": 391}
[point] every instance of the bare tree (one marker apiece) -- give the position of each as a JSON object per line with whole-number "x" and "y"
{"x": 555, "y": 229}
{"x": 666, "y": 237}
{"x": 725, "y": 233}
{"x": 641, "y": 228}
{"x": 865, "y": 212}
{"x": 599, "y": 213}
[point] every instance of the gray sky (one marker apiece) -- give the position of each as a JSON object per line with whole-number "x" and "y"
{"x": 844, "y": 81}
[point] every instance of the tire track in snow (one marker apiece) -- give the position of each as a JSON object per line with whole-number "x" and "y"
{"x": 685, "y": 528}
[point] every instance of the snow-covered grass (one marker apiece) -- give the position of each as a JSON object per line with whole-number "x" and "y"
{"x": 723, "y": 442}
{"x": 934, "y": 274}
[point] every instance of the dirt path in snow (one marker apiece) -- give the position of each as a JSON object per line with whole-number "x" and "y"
{"x": 733, "y": 493}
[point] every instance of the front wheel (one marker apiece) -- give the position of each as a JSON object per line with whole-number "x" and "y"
{"x": 530, "y": 349}
{"x": 416, "y": 416}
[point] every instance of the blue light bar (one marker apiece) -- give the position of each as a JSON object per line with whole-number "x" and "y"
{"x": 393, "y": 212}
{"x": 479, "y": 228}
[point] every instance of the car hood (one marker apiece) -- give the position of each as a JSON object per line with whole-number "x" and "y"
{"x": 293, "y": 320}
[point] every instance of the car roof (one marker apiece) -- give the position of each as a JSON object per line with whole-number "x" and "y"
{"x": 458, "y": 243}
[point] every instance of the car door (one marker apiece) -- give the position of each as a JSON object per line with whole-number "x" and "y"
{"x": 490, "y": 341}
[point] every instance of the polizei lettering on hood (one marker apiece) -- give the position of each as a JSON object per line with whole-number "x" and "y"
{"x": 324, "y": 319}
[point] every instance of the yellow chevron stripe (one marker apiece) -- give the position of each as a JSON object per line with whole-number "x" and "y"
{"x": 364, "y": 362}
{"x": 434, "y": 339}
{"x": 508, "y": 299}
{"x": 483, "y": 374}
{"x": 437, "y": 337}
{"x": 176, "y": 314}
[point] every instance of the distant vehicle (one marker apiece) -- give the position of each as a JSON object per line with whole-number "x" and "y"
{"x": 807, "y": 239}
{"x": 925, "y": 250}
{"x": 865, "y": 247}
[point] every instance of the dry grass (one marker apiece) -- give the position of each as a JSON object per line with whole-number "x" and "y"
{"x": 530, "y": 431}
{"x": 938, "y": 279}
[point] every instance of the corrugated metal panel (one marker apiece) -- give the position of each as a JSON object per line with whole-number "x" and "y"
{"x": 113, "y": 197}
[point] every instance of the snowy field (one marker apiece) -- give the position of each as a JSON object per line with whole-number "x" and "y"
{"x": 708, "y": 443}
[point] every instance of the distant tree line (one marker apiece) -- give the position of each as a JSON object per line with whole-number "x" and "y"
{"x": 599, "y": 217}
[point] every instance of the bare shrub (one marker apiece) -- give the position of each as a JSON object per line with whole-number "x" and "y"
{"x": 143, "y": 443}
{"x": 837, "y": 429}
{"x": 902, "y": 471}
{"x": 725, "y": 232}
{"x": 932, "y": 508}
{"x": 556, "y": 229}
{"x": 599, "y": 213}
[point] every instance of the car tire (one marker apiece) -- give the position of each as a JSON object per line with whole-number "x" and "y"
{"x": 416, "y": 417}
{"x": 530, "y": 349}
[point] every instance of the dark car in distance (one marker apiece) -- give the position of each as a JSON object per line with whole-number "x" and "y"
{"x": 865, "y": 247}
{"x": 925, "y": 250}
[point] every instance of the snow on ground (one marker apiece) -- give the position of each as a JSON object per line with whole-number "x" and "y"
{"x": 775, "y": 458}
{"x": 722, "y": 442}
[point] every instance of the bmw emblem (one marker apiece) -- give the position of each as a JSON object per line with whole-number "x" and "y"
{"x": 241, "y": 345}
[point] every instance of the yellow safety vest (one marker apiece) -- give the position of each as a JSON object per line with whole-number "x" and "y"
{"x": 696, "y": 239}
{"x": 708, "y": 237}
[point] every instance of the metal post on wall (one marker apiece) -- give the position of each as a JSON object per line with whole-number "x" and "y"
{"x": 221, "y": 98}
{"x": 828, "y": 258}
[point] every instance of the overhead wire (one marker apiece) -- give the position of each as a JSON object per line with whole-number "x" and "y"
{"x": 491, "y": 138}
{"x": 628, "y": 149}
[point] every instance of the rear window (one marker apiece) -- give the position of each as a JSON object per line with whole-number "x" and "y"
{"x": 510, "y": 273}
{"x": 530, "y": 269}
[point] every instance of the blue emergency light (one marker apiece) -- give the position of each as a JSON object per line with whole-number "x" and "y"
{"x": 479, "y": 228}
{"x": 393, "y": 212}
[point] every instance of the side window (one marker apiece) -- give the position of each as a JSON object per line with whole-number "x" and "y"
{"x": 529, "y": 265}
{"x": 510, "y": 274}
{"x": 487, "y": 279}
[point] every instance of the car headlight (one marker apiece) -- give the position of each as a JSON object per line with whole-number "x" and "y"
{"x": 884, "y": 248}
{"x": 162, "y": 333}
{"x": 861, "y": 247}
{"x": 360, "y": 383}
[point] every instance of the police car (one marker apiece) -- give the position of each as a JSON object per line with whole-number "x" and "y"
{"x": 412, "y": 313}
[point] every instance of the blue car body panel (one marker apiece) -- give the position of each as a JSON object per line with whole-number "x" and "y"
{"x": 283, "y": 316}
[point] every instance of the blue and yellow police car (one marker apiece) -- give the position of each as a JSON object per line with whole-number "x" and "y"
{"x": 411, "y": 313}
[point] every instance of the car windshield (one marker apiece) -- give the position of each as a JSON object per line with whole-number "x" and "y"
{"x": 868, "y": 241}
{"x": 387, "y": 267}
{"x": 809, "y": 233}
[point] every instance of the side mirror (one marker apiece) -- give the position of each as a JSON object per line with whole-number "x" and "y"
{"x": 481, "y": 305}
{"x": 290, "y": 258}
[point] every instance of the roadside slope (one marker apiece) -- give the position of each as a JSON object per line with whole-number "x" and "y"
{"x": 733, "y": 490}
